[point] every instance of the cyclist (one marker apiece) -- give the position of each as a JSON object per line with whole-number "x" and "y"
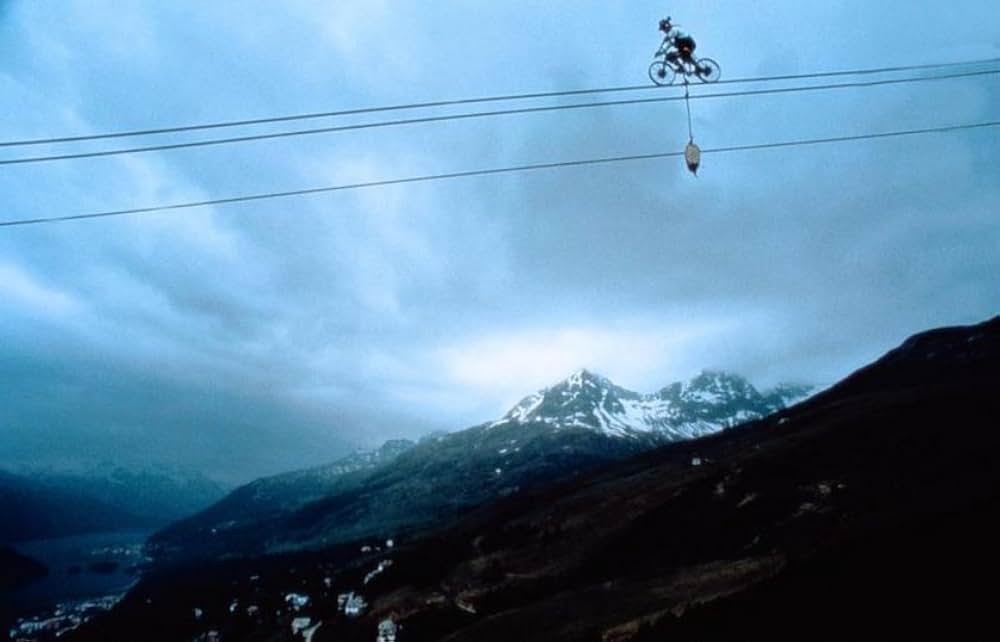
{"x": 676, "y": 45}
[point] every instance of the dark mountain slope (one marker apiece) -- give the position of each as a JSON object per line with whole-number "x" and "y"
{"x": 255, "y": 506}
{"x": 864, "y": 502}
{"x": 924, "y": 580}
{"x": 433, "y": 481}
{"x": 17, "y": 570}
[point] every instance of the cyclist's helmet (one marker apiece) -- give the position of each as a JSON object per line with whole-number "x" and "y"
{"x": 665, "y": 25}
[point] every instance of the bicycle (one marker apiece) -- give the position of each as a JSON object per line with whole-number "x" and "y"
{"x": 677, "y": 54}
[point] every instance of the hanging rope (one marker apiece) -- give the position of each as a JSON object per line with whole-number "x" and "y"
{"x": 687, "y": 103}
{"x": 692, "y": 154}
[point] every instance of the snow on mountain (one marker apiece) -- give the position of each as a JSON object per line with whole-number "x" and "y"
{"x": 709, "y": 402}
{"x": 300, "y": 486}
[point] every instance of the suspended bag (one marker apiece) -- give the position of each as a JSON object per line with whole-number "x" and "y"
{"x": 692, "y": 156}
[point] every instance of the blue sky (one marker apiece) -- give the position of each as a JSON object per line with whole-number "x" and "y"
{"x": 249, "y": 339}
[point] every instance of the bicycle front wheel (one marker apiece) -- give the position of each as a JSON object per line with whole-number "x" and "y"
{"x": 661, "y": 73}
{"x": 707, "y": 70}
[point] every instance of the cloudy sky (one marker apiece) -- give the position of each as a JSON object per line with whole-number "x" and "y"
{"x": 248, "y": 339}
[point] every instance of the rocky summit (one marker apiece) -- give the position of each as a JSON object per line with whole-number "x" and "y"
{"x": 706, "y": 404}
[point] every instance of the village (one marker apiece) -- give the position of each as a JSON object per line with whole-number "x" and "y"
{"x": 66, "y": 617}
{"x": 305, "y": 611}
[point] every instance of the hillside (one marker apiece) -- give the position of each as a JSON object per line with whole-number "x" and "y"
{"x": 157, "y": 495}
{"x": 17, "y": 570}
{"x": 32, "y": 509}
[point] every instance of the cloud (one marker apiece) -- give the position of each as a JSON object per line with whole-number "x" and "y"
{"x": 254, "y": 337}
{"x": 25, "y": 293}
{"x": 510, "y": 364}
{"x": 350, "y": 25}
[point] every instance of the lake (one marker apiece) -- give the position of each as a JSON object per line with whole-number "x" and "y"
{"x": 80, "y": 567}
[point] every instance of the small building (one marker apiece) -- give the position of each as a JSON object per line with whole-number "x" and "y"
{"x": 297, "y": 600}
{"x": 387, "y": 630}
{"x": 352, "y": 604}
{"x": 300, "y": 624}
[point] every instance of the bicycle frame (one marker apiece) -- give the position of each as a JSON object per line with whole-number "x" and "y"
{"x": 680, "y": 64}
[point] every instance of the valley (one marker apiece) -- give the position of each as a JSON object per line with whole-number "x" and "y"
{"x": 694, "y": 538}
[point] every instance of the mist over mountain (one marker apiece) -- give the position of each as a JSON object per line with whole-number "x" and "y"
{"x": 42, "y": 503}
{"x": 156, "y": 494}
{"x": 33, "y": 509}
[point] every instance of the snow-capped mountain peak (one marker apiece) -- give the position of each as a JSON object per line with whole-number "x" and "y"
{"x": 585, "y": 378}
{"x": 707, "y": 403}
{"x": 583, "y": 400}
{"x": 716, "y": 387}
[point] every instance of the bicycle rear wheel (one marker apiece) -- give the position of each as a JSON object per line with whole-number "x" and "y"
{"x": 707, "y": 70}
{"x": 661, "y": 73}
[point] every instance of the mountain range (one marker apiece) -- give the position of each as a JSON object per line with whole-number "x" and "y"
{"x": 580, "y": 423}
{"x": 868, "y": 511}
{"x": 706, "y": 404}
{"x": 42, "y": 504}
{"x": 33, "y": 509}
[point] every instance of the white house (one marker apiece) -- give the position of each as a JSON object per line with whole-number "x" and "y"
{"x": 387, "y": 630}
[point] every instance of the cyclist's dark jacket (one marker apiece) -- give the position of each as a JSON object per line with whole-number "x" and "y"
{"x": 685, "y": 43}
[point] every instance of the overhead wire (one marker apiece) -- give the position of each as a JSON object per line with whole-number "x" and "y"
{"x": 474, "y": 100}
{"x": 481, "y": 114}
{"x": 489, "y": 172}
